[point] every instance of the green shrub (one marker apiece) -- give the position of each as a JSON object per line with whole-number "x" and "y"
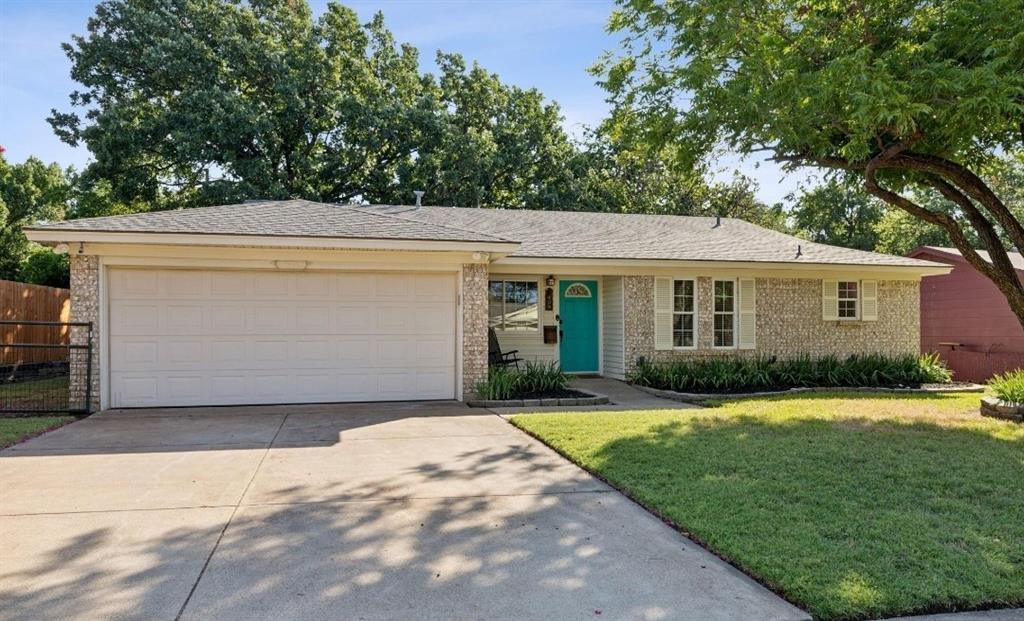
{"x": 536, "y": 378}
{"x": 501, "y": 383}
{"x": 1009, "y": 386}
{"x": 542, "y": 377}
{"x": 730, "y": 375}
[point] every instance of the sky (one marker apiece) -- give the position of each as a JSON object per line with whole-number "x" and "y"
{"x": 545, "y": 44}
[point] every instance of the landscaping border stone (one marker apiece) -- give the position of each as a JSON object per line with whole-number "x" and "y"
{"x": 700, "y": 397}
{"x": 997, "y": 408}
{"x": 593, "y": 398}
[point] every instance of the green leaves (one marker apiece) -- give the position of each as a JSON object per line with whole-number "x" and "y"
{"x": 537, "y": 378}
{"x": 1009, "y": 386}
{"x": 29, "y": 192}
{"x": 821, "y": 78}
{"x": 196, "y": 102}
{"x": 738, "y": 375}
{"x": 191, "y": 102}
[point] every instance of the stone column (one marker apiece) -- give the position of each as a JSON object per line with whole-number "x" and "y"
{"x": 638, "y": 319}
{"x": 474, "y": 327}
{"x": 85, "y": 306}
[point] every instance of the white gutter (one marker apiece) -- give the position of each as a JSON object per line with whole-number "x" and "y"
{"x": 928, "y": 268}
{"x": 69, "y": 236}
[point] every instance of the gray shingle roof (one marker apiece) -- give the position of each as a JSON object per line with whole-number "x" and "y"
{"x": 1016, "y": 259}
{"x": 541, "y": 234}
{"x": 590, "y": 235}
{"x": 291, "y": 218}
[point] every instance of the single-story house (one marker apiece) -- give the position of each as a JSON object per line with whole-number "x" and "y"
{"x": 966, "y": 319}
{"x": 295, "y": 301}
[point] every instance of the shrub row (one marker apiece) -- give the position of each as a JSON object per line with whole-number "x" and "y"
{"x": 1009, "y": 386}
{"x": 732, "y": 375}
{"x": 537, "y": 378}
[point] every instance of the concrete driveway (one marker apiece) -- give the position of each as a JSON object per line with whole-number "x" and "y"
{"x": 377, "y": 511}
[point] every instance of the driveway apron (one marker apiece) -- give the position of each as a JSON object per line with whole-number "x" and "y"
{"x": 362, "y": 511}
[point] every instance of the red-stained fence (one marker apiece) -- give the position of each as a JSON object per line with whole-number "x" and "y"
{"x": 977, "y": 366}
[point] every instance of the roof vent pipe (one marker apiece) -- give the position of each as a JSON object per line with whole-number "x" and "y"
{"x": 799, "y": 250}
{"x": 419, "y": 197}
{"x": 718, "y": 222}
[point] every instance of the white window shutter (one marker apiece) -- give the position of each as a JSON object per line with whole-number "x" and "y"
{"x": 869, "y": 300}
{"x": 748, "y": 313}
{"x": 830, "y": 300}
{"x": 662, "y": 313}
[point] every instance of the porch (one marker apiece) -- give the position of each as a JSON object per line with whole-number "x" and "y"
{"x": 575, "y": 321}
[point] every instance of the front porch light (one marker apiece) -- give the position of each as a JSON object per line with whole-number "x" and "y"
{"x": 549, "y": 281}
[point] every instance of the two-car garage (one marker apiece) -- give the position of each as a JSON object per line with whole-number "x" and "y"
{"x": 180, "y": 337}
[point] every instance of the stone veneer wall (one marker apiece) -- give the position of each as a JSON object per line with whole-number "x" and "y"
{"x": 789, "y": 321}
{"x": 85, "y": 306}
{"x": 474, "y": 327}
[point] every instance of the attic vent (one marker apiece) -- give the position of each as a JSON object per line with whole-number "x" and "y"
{"x": 419, "y": 197}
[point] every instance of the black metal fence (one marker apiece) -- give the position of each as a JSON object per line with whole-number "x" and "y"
{"x": 45, "y": 367}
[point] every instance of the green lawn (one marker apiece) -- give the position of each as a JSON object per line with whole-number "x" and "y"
{"x": 46, "y": 395}
{"x": 14, "y": 430}
{"x": 852, "y": 506}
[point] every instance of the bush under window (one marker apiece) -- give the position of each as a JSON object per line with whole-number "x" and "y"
{"x": 735, "y": 375}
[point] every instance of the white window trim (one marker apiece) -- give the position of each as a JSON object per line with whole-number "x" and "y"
{"x": 735, "y": 313}
{"x": 695, "y": 313}
{"x": 856, "y": 300}
{"x": 540, "y": 298}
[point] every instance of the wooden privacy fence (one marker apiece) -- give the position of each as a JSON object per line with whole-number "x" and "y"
{"x": 24, "y": 302}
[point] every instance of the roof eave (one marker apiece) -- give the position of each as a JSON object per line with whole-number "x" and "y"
{"x": 955, "y": 258}
{"x": 53, "y": 236}
{"x": 934, "y": 269}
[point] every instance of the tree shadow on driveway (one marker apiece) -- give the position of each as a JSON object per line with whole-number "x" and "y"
{"x": 494, "y": 526}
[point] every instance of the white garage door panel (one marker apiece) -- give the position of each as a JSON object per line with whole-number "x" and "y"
{"x": 182, "y": 337}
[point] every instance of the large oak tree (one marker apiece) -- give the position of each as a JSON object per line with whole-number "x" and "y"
{"x": 191, "y": 102}
{"x": 911, "y": 98}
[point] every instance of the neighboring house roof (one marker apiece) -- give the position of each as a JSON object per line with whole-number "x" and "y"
{"x": 291, "y": 218}
{"x": 598, "y": 235}
{"x": 539, "y": 234}
{"x": 952, "y": 253}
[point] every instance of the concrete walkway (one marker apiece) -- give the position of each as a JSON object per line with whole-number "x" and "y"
{"x": 377, "y": 511}
{"x": 621, "y": 395}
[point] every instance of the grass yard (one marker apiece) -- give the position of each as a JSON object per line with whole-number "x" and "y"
{"x": 45, "y": 394}
{"x": 852, "y": 506}
{"x": 15, "y": 430}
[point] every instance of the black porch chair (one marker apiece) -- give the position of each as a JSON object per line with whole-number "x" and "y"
{"x": 498, "y": 358}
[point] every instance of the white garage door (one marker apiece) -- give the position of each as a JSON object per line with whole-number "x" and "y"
{"x": 185, "y": 337}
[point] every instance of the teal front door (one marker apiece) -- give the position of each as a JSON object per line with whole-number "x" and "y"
{"x": 577, "y": 312}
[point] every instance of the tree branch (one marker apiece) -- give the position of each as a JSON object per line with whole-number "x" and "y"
{"x": 1000, "y": 261}
{"x": 971, "y": 185}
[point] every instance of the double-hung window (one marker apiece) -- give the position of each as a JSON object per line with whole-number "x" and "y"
{"x": 512, "y": 305}
{"x": 725, "y": 313}
{"x": 848, "y": 299}
{"x": 684, "y": 313}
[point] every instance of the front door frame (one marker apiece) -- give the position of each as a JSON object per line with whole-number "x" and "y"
{"x": 599, "y": 324}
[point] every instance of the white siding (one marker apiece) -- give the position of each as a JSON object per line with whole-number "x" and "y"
{"x": 611, "y": 303}
{"x": 531, "y": 344}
